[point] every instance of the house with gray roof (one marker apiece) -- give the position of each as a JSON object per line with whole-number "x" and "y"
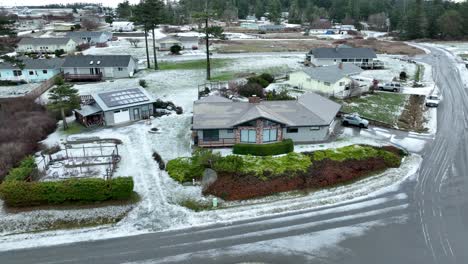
{"x": 30, "y": 70}
{"x": 45, "y": 45}
{"x": 116, "y": 107}
{"x": 220, "y": 122}
{"x": 362, "y": 57}
{"x": 332, "y": 80}
{"x": 98, "y": 67}
{"x": 90, "y": 37}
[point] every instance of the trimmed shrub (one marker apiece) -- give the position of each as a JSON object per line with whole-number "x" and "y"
{"x": 20, "y": 194}
{"x": 184, "y": 170}
{"x": 267, "y": 77}
{"x": 258, "y": 80}
{"x": 143, "y": 83}
{"x": 23, "y": 171}
{"x": 231, "y": 164}
{"x": 283, "y": 147}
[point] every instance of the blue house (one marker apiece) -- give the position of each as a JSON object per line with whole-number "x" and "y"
{"x": 32, "y": 70}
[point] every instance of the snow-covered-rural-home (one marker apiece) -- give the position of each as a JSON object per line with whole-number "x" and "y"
{"x": 184, "y": 42}
{"x": 123, "y": 26}
{"x": 116, "y": 107}
{"x": 362, "y": 57}
{"x": 218, "y": 121}
{"x": 45, "y": 45}
{"x": 31, "y": 70}
{"x": 98, "y": 67}
{"x": 89, "y": 37}
{"x": 330, "y": 80}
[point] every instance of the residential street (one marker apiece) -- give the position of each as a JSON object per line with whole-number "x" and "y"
{"x": 423, "y": 221}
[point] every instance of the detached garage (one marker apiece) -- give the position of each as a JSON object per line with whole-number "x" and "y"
{"x": 116, "y": 107}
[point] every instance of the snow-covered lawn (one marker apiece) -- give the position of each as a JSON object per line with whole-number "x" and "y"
{"x": 394, "y": 65}
{"x": 159, "y": 208}
{"x": 17, "y": 90}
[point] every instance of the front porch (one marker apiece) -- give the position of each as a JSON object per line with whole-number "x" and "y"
{"x": 83, "y": 77}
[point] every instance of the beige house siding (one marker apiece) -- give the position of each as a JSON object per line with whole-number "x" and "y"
{"x": 68, "y": 48}
{"x": 303, "y": 81}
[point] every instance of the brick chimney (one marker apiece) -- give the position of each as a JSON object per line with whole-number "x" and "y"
{"x": 254, "y": 99}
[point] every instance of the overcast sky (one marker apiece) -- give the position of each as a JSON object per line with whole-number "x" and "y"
{"x": 112, "y": 3}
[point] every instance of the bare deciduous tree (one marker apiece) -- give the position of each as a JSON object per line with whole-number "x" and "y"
{"x": 134, "y": 42}
{"x": 89, "y": 25}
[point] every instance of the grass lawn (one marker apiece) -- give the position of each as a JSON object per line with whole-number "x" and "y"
{"x": 193, "y": 64}
{"x": 382, "y": 106}
{"x": 74, "y": 128}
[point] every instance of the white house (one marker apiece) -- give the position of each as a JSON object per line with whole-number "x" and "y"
{"x": 89, "y": 37}
{"x": 330, "y": 80}
{"x": 91, "y": 67}
{"x": 189, "y": 42}
{"x": 123, "y": 26}
{"x": 45, "y": 45}
{"x": 363, "y": 57}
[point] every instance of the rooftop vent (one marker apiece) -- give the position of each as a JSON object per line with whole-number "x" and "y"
{"x": 91, "y": 62}
{"x": 98, "y": 62}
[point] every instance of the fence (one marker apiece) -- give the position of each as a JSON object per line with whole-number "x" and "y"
{"x": 38, "y": 91}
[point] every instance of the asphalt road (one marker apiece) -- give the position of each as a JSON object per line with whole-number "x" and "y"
{"x": 434, "y": 209}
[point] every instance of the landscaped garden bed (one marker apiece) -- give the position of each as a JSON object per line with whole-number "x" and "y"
{"x": 245, "y": 177}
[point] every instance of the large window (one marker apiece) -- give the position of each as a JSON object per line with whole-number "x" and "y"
{"x": 248, "y": 136}
{"x": 270, "y": 135}
{"x": 17, "y": 73}
{"x": 211, "y": 135}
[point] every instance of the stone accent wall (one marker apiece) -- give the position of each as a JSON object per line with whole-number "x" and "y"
{"x": 259, "y": 129}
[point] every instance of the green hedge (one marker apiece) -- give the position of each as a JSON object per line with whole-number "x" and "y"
{"x": 23, "y": 171}
{"x": 20, "y": 194}
{"x": 283, "y": 147}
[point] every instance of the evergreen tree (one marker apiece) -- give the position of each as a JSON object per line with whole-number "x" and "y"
{"x": 274, "y": 11}
{"x": 62, "y": 97}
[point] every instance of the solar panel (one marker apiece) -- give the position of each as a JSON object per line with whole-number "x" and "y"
{"x": 121, "y": 98}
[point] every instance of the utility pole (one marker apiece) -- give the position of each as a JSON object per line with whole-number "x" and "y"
{"x": 207, "y": 36}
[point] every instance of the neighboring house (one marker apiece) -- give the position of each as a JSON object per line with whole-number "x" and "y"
{"x": 219, "y": 122}
{"x": 362, "y": 57}
{"x": 89, "y": 37}
{"x": 123, "y": 26}
{"x": 32, "y": 70}
{"x": 333, "y": 80}
{"x": 45, "y": 45}
{"x": 63, "y": 26}
{"x": 98, "y": 67}
{"x": 271, "y": 27}
{"x": 30, "y": 22}
{"x": 116, "y": 107}
{"x": 184, "y": 42}
{"x": 249, "y": 25}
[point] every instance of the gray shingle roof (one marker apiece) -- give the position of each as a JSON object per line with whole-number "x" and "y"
{"x": 44, "y": 41}
{"x": 343, "y": 53}
{"x": 104, "y": 61}
{"x": 79, "y": 34}
{"x": 332, "y": 73}
{"x": 87, "y": 110}
{"x": 35, "y": 64}
{"x": 309, "y": 110}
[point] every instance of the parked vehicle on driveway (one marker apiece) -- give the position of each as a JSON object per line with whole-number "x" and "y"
{"x": 355, "y": 120}
{"x": 392, "y": 87}
{"x": 432, "y": 101}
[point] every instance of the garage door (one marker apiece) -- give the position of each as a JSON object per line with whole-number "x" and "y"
{"x": 121, "y": 116}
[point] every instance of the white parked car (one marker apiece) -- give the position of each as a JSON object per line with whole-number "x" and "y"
{"x": 432, "y": 101}
{"x": 391, "y": 87}
{"x": 355, "y": 120}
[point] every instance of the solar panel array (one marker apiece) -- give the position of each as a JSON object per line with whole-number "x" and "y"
{"x": 125, "y": 97}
